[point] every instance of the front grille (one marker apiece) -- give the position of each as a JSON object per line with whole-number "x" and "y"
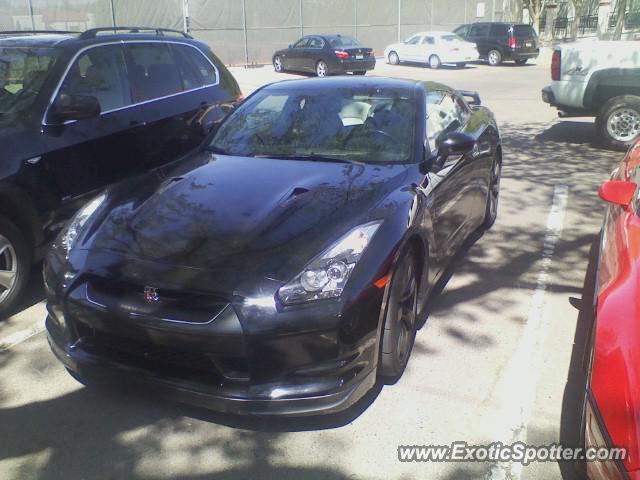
{"x": 158, "y": 359}
{"x": 170, "y": 305}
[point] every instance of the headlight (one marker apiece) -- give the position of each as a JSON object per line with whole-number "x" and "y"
{"x": 327, "y": 274}
{"x": 70, "y": 234}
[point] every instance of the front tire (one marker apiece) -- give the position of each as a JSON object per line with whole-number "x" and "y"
{"x": 393, "y": 58}
{"x": 322, "y": 69}
{"x": 435, "y": 62}
{"x": 493, "y": 197}
{"x": 401, "y": 318}
{"x": 494, "y": 57}
{"x": 278, "y": 64}
{"x": 618, "y": 122}
{"x": 15, "y": 266}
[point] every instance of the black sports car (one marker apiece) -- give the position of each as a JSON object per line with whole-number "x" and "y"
{"x": 282, "y": 267}
{"x": 325, "y": 55}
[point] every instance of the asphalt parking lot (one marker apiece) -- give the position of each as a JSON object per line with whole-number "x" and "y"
{"x": 497, "y": 359}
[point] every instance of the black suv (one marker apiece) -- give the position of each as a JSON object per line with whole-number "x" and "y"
{"x": 498, "y": 42}
{"x": 79, "y": 111}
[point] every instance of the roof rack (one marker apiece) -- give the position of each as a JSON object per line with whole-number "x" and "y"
{"x": 93, "y": 32}
{"x": 36, "y": 32}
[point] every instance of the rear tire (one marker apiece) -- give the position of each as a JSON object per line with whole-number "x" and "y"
{"x": 394, "y": 59}
{"x": 618, "y": 122}
{"x": 435, "y": 62}
{"x": 494, "y": 57}
{"x": 401, "y": 318}
{"x": 15, "y": 266}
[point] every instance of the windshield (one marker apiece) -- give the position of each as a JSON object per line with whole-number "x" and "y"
{"x": 369, "y": 125}
{"x": 337, "y": 42}
{"x": 23, "y": 71}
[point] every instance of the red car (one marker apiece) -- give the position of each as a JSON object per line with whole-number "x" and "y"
{"x": 612, "y": 409}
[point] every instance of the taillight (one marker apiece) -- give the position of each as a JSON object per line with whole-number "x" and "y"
{"x": 556, "y": 64}
{"x": 513, "y": 42}
{"x": 341, "y": 54}
{"x": 371, "y": 54}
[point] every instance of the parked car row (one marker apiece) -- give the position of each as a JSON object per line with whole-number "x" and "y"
{"x": 335, "y": 54}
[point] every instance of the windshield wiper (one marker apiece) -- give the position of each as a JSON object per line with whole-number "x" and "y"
{"x": 311, "y": 156}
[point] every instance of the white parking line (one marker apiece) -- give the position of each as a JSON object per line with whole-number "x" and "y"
{"x": 517, "y": 388}
{"x": 19, "y": 337}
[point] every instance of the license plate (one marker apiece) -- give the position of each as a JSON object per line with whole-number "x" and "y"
{"x": 359, "y": 57}
{"x": 529, "y": 44}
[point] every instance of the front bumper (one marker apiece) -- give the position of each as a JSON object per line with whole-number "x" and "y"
{"x": 93, "y": 369}
{"x": 250, "y": 358}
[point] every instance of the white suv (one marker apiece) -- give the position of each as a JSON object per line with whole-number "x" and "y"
{"x": 600, "y": 79}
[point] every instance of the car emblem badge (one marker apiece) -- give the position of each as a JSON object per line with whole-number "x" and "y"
{"x": 151, "y": 295}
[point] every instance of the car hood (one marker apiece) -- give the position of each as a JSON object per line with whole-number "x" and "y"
{"x": 238, "y": 217}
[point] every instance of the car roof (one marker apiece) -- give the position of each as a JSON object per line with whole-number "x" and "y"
{"x": 434, "y": 33}
{"x": 27, "y": 39}
{"x": 346, "y": 81}
{"x": 39, "y": 40}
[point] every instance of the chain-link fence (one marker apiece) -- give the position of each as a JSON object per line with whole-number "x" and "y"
{"x": 249, "y": 31}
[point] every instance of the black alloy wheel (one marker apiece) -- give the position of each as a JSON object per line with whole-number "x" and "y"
{"x": 401, "y": 318}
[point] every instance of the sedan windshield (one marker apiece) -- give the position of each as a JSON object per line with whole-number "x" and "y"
{"x": 23, "y": 71}
{"x": 369, "y": 125}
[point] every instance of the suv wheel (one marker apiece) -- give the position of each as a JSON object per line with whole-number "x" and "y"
{"x": 394, "y": 59}
{"x": 618, "y": 122}
{"x": 494, "y": 57}
{"x": 15, "y": 265}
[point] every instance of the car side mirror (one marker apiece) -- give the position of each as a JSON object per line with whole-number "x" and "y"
{"x": 618, "y": 192}
{"x": 74, "y": 107}
{"x": 290, "y": 46}
{"x": 453, "y": 144}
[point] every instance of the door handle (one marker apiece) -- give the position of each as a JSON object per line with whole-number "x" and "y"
{"x": 136, "y": 123}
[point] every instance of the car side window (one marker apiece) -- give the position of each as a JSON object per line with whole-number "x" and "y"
{"x": 207, "y": 72}
{"x": 316, "y": 42}
{"x": 479, "y": 30}
{"x": 462, "y": 31}
{"x": 499, "y": 30}
{"x": 302, "y": 43}
{"x": 415, "y": 40}
{"x": 153, "y": 71}
{"x": 443, "y": 116}
{"x": 429, "y": 41}
{"x": 100, "y": 72}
